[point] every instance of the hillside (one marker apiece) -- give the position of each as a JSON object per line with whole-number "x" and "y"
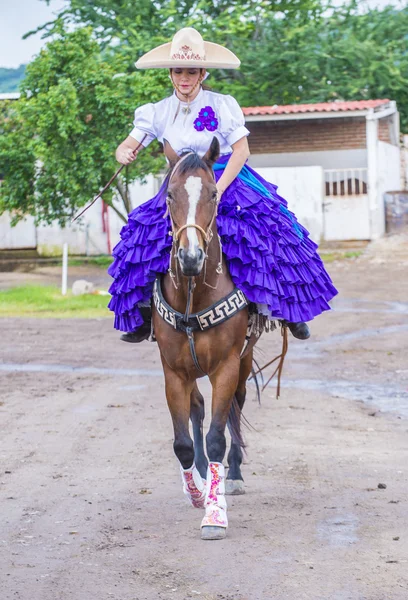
{"x": 11, "y": 78}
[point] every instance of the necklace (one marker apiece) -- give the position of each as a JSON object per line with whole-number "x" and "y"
{"x": 186, "y": 110}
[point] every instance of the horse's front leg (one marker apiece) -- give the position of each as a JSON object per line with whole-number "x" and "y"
{"x": 224, "y": 383}
{"x": 178, "y": 394}
{"x": 197, "y": 413}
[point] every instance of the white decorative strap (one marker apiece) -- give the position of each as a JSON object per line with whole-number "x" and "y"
{"x": 194, "y": 486}
{"x": 217, "y": 313}
{"x": 215, "y": 504}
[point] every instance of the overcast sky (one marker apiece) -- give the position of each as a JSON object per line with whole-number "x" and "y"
{"x": 19, "y": 16}
{"x": 16, "y": 18}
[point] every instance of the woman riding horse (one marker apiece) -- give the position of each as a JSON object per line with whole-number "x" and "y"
{"x": 235, "y": 242}
{"x": 269, "y": 254}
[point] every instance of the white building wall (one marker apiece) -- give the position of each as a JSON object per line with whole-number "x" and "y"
{"x": 85, "y": 236}
{"x": 22, "y": 236}
{"x": 303, "y": 188}
{"x": 331, "y": 159}
{"x": 301, "y": 184}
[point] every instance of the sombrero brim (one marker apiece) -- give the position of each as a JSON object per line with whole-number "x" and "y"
{"x": 216, "y": 57}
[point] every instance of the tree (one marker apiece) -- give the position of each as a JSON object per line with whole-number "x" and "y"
{"x": 78, "y": 95}
{"x": 58, "y": 147}
{"x": 340, "y": 55}
{"x": 291, "y": 50}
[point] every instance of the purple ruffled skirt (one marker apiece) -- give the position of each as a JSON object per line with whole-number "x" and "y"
{"x": 269, "y": 254}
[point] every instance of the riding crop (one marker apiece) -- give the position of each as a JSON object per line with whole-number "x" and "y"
{"x": 111, "y": 180}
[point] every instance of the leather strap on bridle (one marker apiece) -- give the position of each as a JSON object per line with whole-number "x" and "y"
{"x": 207, "y": 235}
{"x": 200, "y": 229}
{"x": 177, "y": 165}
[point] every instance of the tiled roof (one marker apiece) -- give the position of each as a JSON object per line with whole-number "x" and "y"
{"x": 313, "y": 108}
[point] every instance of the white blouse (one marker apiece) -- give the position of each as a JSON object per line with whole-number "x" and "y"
{"x": 167, "y": 120}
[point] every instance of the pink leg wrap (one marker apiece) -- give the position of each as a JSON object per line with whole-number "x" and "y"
{"x": 194, "y": 486}
{"x": 215, "y": 504}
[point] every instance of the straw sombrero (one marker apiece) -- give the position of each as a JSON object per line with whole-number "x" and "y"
{"x": 188, "y": 49}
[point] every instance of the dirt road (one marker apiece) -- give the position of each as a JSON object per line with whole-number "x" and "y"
{"x": 91, "y": 500}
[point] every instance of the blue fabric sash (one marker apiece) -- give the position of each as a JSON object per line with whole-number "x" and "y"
{"x": 249, "y": 179}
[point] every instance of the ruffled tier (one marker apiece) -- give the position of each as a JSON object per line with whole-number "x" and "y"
{"x": 142, "y": 253}
{"x": 269, "y": 255}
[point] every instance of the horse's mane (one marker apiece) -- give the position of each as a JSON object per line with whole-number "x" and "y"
{"x": 191, "y": 163}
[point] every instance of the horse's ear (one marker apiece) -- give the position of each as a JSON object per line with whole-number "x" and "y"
{"x": 171, "y": 155}
{"x": 213, "y": 152}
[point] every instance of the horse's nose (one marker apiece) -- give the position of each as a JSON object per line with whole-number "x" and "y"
{"x": 185, "y": 254}
{"x": 191, "y": 263}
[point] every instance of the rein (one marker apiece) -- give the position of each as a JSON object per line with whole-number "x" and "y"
{"x": 280, "y": 358}
{"x": 189, "y": 330}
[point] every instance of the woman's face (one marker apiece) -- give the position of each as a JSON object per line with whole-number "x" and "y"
{"x": 186, "y": 79}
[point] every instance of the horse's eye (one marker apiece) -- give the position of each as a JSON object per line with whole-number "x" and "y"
{"x": 169, "y": 197}
{"x": 214, "y": 197}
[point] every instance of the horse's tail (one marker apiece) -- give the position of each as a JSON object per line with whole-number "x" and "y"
{"x": 234, "y": 423}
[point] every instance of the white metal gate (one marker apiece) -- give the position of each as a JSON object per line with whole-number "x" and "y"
{"x": 346, "y": 206}
{"x": 302, "y": 187}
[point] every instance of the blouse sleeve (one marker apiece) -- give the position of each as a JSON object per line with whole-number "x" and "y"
{"x": 232, "y": 121}
{"x": 144, "y": 124}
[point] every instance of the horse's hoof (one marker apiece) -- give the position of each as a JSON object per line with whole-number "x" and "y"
{"x": 234, "y": 487}
{"x": 213, "y": 533}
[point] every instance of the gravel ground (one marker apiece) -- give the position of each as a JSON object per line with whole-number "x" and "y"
{"x": 91, "y": 499}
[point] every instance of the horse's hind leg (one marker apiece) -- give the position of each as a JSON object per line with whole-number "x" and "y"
{"x": 197, "y": 412}
{"x": 234, "y": 483}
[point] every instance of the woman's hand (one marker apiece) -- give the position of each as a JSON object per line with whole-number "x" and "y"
{"x": 125, "y": 155}
{"x": 126, "y": 152}
{"x": 220, "y": 192}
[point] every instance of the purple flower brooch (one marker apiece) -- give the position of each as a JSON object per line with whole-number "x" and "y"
{"x": 206, "y": 120}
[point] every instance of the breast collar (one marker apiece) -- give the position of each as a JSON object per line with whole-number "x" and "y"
{"x": 214, "y": 315}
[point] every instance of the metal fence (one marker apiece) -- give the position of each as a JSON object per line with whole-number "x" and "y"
{"x": 345, "y": 182}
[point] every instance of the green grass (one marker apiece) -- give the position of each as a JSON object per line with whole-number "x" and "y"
{"x": 99, "y": 261}
{"x": 38, "y": 301}
{"x": 329, "y": 257}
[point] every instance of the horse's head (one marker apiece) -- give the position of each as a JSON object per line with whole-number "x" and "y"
{"x": 192, "y": 202}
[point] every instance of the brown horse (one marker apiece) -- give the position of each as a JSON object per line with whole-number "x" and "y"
{"x": 197, "y": 265}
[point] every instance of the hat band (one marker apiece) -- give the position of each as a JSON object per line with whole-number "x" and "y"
{"x": 186, "y": 53}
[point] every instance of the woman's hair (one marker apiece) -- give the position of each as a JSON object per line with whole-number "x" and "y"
{"x": 204, "y": 85}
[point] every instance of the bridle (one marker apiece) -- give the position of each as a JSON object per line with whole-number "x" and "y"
{"x": 183, "y": 322}
{"x": 207, "y": 237}
{"x": 176, "y": 234}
